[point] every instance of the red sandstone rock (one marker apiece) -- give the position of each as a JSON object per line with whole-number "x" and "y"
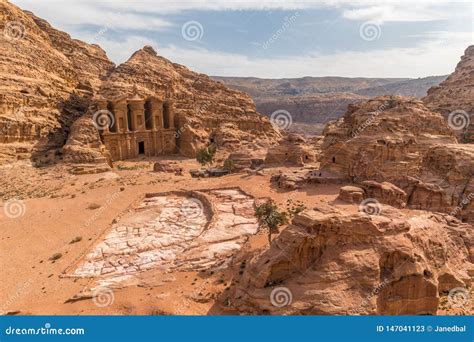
{"x": 335, "y": 263}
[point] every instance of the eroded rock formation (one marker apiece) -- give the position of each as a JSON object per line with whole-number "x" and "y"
{"x": 293, "y": 150}
{"x": 398, "y": 140}
{"x": 454, "y": 97}
{"x": 47, "y": 81}
{"x": 327, "y": 262}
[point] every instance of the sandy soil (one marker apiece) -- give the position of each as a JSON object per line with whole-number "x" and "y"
{"x": 60, "y": 208}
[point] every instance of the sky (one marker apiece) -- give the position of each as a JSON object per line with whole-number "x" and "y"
{"x": 275, "y": 39}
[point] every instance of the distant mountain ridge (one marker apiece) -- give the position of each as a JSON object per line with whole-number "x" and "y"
{"x": 320, "y": 99}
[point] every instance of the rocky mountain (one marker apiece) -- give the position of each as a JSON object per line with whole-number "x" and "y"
{"x": 49, "y": 81}
{"x": 456, "y": 95}
{"x": 321, "y": 99}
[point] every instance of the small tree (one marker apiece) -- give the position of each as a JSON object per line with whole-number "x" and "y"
{"x": 270, "y": 217}
{"x": 205, "y": 155}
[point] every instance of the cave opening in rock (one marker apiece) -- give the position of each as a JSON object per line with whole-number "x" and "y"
{"x": 141, "y": 147}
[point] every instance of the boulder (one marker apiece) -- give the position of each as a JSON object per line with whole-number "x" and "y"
{"x": 351, "y": 194}
{"x": 386, "y": 193}
{"x": 167, "y": 166}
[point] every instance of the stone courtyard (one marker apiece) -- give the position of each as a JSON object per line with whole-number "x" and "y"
{"x": 178, "y": 230}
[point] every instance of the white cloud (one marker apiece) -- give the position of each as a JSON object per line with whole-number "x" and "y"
{"x": 434, "y": 57}
{"x": 65, "y": 15}
{"x": 380, "y": 14}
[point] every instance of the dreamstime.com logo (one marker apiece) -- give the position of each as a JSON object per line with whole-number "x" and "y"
{"x": 458, "y": 120}
{"x": 370, "y": 206}
{"x": 14, "y": 208}
{"x": 370, "y": 31}
{"x": 281, "y": 297}
{"x": 458, "y": 297}
{"x": 192, "y": 30}
{"x": 192, "y": 208}
{"x": 14, "y": 31}
{"x": 281, "y": 119}
{"x": 46, "y": 330}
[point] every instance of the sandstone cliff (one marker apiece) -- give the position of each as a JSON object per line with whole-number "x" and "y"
{"x": 399, "y": 140}
{"x": 335, "y": 263}
{"x": 454, "y": 97}
{"x": 47, "y": 80}
{"x": 204, "y": 108}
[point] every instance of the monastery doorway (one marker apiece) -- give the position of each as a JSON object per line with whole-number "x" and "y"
{"x": 141, "y": 147}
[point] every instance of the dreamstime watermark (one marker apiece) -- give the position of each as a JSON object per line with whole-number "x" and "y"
{"x": 46, "y": 330}
{"x": 103, "y": 296}
{"x": 14, "y": 208}
{"x": 375, "y": 292}
{"x": 100, "y": 210}
{"x": 458, "y": 297}
{"x": 13, "y": 298}
{"x": 179, "y": 132}
{"x": 103, "y": 119}
{"x": 370, "y": 30}
{"x": 281, "y": 297}
{"x": 281, "y": 119}
{"x": 192, "y": 30}
{"x": 110, "y": 23}
{"x": 458, "y": 120}
{"x": 371, "y": 119}
{"x": 192, "y": 208}
{"x": 370, "y": 206}
{"x": 14, "y": 31}
{"x": 462, "y": 204}
{"x": 285, "y": 26}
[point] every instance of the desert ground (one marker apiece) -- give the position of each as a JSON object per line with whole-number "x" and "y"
{"x": 67, "y": 207}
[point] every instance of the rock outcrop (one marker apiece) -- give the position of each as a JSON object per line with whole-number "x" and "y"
{"x": 335, "y": 263}
{"x": 398, "y": 140}
{"x": 454, "y": 97}
{"x": 47, "y": 81}
{"x": 384, "y": 192}
{"x": 293, "y": 150}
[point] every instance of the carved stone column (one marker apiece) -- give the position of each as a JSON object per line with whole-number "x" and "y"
{"x": 120, "y": 109}
{"x": 171, "y": 113}
{"x": 137, "y": 106}
{"x": 156, "y": 113}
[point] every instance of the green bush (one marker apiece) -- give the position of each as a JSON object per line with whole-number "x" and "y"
{"x": 205, "y": 155}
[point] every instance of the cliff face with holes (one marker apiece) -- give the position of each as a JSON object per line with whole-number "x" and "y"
{"x": 399, "y": 140}
{"x": 48, "y": 81}
{"x": 203, "y": 108}
{"x": 456, "y": 95}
